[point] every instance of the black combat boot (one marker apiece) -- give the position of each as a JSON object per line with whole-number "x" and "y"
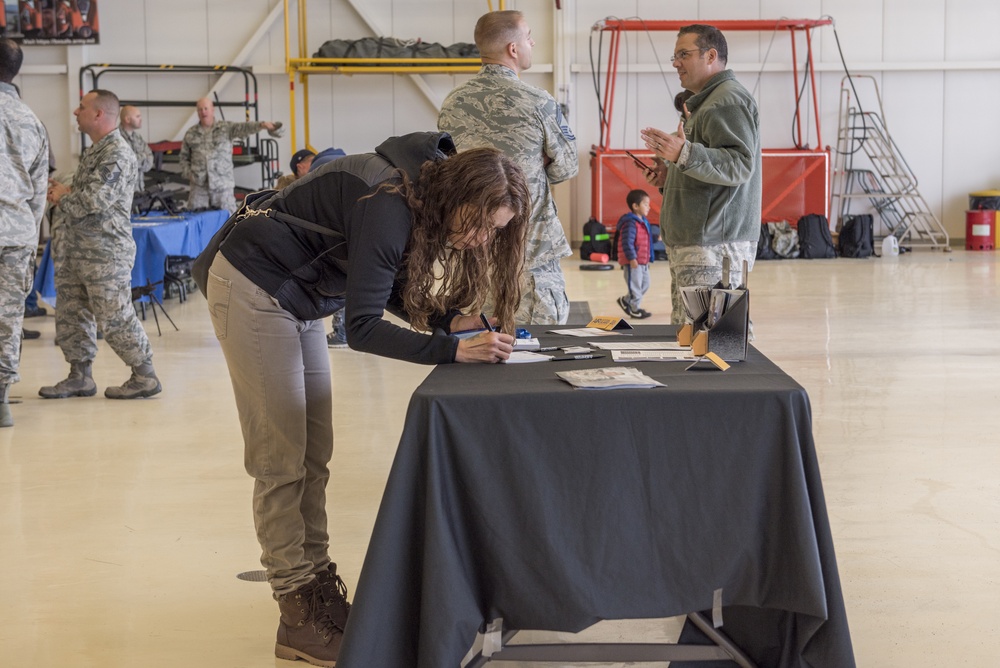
{"x": 306, "y": 630}
{"x": 79, "y": 383}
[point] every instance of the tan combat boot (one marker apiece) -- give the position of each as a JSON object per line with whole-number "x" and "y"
{"x": 142, "y": 383}
{"x": 306, "y": 630}
{"x": 6, "y": 419}
{"x": 79, "y": 383}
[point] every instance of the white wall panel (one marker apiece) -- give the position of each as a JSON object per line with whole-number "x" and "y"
{"x": 923, "y": 37}
{"x": 971, "y": 141}
{"x": 971, "y": 30}
{"x": 859, "y": 24}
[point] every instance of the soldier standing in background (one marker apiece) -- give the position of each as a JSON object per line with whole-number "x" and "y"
{"x": 207, "y": 157}
{"x": 131, "y": 119}
{"x": 24, "y": 171}
{"x": 496, "y": 109}
{"x": 94, "y": 251}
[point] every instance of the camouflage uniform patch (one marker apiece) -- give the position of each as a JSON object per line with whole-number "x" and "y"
{"x": 24, "y": 171}
{"x": 93, "y": 252}
{"x": 206, "y": 161}
{"x": 496, "y": 109}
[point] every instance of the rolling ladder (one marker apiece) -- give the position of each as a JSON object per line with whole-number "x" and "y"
{"x": 886, "y": 182}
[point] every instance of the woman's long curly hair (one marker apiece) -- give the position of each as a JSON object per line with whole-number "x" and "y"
{"x": 453, "y": 198}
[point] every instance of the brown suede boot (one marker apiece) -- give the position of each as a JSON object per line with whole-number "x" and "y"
{"x": 306, "y": 630}
{"x": 79, "y": 383}
{"x": 334, "y": 593}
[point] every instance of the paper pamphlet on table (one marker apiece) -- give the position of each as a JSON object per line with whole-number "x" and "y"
{"x": 608, "y": 378}
{"x": 583, "y": 332}
{"x": 526, "y": 357}
{"x": 640, "y": 345}
{"x": 576, "y": 350}
{"x": 653, "y": 355}
{"x": 696, "y": 300}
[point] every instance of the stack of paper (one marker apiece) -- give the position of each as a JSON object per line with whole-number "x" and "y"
{"x": 608, "y": 378}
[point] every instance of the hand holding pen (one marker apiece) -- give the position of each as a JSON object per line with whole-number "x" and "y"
{"x": 489, "y": 347}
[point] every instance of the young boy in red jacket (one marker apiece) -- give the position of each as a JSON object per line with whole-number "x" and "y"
{"x": 635, "y": 252}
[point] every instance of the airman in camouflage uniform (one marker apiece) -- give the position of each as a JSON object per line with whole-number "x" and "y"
{"x": 496, "y": 109}
{"x": 206, "y": 157}
{"x": 93, "y": 251}
{"x": 131, "y": 122}
{"x": 24, "y": 169}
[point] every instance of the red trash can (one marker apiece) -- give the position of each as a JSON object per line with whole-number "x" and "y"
{"x": 979, "y": 229}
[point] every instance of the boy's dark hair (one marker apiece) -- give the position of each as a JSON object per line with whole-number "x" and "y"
{"x": 709, "y": 37}
{"x": 635, "y": 197}
{"x": 11, "y": 58}
{"x": 681, "y": 98}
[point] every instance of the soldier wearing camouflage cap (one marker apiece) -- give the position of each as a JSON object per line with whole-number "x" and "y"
{"x": 206, "y": 157}
{"x": 496, "y": 109}
{"x": 93, "y": 250}
{"x": 24, "y": 170}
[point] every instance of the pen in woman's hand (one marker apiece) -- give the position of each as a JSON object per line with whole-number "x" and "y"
{"x": 486, "y": 323}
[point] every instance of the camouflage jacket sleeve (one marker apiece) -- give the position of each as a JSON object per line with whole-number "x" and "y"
{"x": 23, "y": 170}
{"x": 560, "y": 144}
{"x": 240, "y": 130}
{"x": 105, "y": 177}
{"x": 40, "y": 181}
{"x": 184, "y": 158}
{"x": 143, "y": 156}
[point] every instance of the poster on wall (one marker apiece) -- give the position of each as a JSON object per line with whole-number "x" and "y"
{"x": 47, "y": 22}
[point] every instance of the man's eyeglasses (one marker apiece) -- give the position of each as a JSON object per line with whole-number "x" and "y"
{"x": 683, "y": 55}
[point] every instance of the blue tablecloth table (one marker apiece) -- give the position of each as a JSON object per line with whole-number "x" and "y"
{"x": 156, "y": 236}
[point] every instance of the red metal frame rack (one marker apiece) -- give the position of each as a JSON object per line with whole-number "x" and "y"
{"x": 796, "y": 180}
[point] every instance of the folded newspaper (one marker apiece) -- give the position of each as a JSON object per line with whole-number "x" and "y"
{"x": 608, "y": 378}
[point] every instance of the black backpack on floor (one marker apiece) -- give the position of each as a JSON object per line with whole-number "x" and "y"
{"x": 765, "y": 251}
{"x": 595, "y": 239}
{"x": 856, "y": 236}
{"x": 815, "y": 241}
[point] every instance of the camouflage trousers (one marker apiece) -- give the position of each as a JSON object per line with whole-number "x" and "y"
{"x": 702, "y": 265}
{"x": 200, "y": 197}
{"x": 16, "y": 275}
{"x": 92, "y": 292}
{"x": 543, "y": 296}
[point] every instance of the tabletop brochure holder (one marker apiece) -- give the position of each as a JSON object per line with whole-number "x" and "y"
{"x": 727, "y": 337}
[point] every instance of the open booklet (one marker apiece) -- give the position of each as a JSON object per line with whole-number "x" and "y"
{"x": 608, "y": 378}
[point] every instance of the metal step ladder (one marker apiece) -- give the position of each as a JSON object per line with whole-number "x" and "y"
{"x": 885, "y": 180}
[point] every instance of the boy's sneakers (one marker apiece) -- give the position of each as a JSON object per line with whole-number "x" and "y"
{"x": 638, "y": 314}
{"x": 625, "y": 307}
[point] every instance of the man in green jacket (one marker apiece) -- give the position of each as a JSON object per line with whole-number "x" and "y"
{"x": 709, "y": 170}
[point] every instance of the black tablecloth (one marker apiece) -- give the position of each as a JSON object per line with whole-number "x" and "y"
{"x": 514, "y": 495}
